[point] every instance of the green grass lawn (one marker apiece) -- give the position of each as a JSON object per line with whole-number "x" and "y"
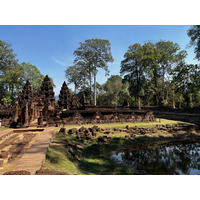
{"x": 94, "y": 158}
{"x": 122, "y": 125}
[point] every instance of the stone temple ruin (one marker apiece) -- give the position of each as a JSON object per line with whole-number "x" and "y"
{"x": 41, "y": 109}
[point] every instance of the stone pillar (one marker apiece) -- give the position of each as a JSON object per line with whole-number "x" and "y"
{"x": 32, "y": 112}
{"x": 26, "y": 121}
{"x": 16, "y": 112}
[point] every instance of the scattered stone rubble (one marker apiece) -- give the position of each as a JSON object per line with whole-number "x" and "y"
{"x": 88, "y": 133}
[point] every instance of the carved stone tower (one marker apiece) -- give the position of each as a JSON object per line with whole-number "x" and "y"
{"x": 23, "y": 110}
{"x": 47, "y": 90}
{"x": 64, "y": 97}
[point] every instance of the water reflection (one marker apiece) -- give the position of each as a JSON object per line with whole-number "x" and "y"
{"x": 173, "y": 159}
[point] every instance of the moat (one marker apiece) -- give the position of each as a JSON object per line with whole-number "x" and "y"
{"x": 174, "y": 159}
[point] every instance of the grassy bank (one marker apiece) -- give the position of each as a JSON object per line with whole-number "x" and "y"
{"x": 122, "y": 125}
{"x": 92, "y": 156}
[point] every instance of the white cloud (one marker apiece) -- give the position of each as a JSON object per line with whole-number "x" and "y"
{"x": 59, "y": 62}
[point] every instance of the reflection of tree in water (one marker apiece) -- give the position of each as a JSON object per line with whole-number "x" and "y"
{"x": 178, "y": 159}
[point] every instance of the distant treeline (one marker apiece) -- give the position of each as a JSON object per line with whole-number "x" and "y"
{"x": 151, "y": 74}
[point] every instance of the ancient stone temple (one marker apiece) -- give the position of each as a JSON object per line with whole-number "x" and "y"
{"x": 47, "y": 90}
{"x": 64, "y": 97}
{"x": 48, "y": 100}
{"x": 22, "y": 108}
{"x": 40, "y": 108}
{"x": 31, "y": 106}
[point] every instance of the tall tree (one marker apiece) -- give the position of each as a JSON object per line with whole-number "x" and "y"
{"x": 186, "y": 81}
{"x": 75, "y": 74}
{"x": 31, "y": 73}
{"x": 7, "y": 57}
{"x": 87, "y": 72}
{"x": 194, "y": 34}
{"x": 12, "y": 83}
{"x": 8, "y": 64}
{"x": 169, "y": 57}
{"x": 151, "y": 59}
{"x": 14, "y": 75}
{"x": 94, "y": 54}
{"x": 113, "y": 87}
{"x": 133, "y": 69}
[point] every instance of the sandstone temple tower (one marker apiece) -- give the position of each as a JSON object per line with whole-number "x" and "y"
{"x": 64, "y": 97}
{"x": 47, "y": 90}
{"x": 23, "y": 112}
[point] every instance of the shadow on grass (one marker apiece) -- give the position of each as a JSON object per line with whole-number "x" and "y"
{"x": 96, "y": 160}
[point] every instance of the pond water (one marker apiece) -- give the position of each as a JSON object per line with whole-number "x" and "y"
{"x": 170, "y": 160}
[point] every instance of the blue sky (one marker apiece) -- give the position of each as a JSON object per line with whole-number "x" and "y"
{"x": 51, "y": 48}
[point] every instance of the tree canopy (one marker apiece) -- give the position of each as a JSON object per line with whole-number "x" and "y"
{"x": 133, "y": 69}
{"x": 91, "y": 55}
{"x": 194, "y": 34}
{"x": 76, "y": 75}
{"x": 31, "y": 73}
{"x": 147, "y": 69}
{"x": 13, "y": 74}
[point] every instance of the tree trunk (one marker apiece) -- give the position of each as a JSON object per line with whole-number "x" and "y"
{"x": 167, "y": 95}
{"x": 163, "y": 82}
{"x": 180, "y": 101}
{"x": 90, "y": 80}
{"x": 173, "y": 100}
{"x": 75, "y": 88}
{"x": 95, "y": 92}
{"x": 139, "y": 106}
{"x": 156, "y": 88}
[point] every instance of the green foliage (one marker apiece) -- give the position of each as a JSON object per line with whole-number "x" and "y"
{"x": 86, "y": 90}
{"x": 7, "y": 101}
{"x": 194, "y": 34}
{"x": 113, "y": 92}
{"x": 31, "y": 73}
{"x": 91, "y": 55}
{"x": 9, "y": 73}
{"x": 186, "y": 80}
{"x": 7, "y": 57}
{"x": 133, "y": 68}
{"x": 76, "y": 75}
{"x": 112, "y": 87}
{"x": 14, "y": 75}
{"x": 147, "y": 69}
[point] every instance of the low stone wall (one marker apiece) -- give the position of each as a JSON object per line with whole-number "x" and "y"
{"x": 185, "y": 117}
{"x": 102, "y": 116}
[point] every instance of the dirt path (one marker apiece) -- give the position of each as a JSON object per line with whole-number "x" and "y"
{"x": 5, "y": 133}
{"x": 33, "y": 158}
